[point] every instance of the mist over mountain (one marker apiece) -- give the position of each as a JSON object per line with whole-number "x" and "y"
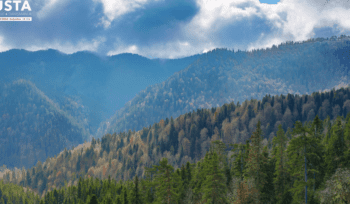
{"x": 222, "y": 76}
{"x": 33, "y": 127}
{"x": 99, "y": 85}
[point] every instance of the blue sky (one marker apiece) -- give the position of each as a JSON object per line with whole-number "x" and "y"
{"x": 172, "y": 28}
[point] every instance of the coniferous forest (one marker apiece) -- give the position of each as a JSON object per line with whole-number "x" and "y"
{"x": 307, "y": 163}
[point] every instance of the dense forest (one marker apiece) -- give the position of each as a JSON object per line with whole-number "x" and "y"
{"x": 63, "y": 98}
{"x": 100, "y": 85}
{"x": 308, "y": 164}
{"x": 222, "y": 75}
{"x": 187, "y": 138}
{"x": 33, "y": 127}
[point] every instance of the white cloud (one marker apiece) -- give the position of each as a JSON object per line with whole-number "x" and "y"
{"x": 214, "y": 11}
{"x": 290, "y": 20}
{"x": 3, "y": 46}
{"x": 70, "y": 48}
{"x": 115, "y": 8}
{"x": 50, "y": 6}
{"x": 170, "y": 50}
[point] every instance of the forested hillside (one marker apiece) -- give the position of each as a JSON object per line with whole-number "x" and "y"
{"x": 310, "y": 164}
{"x": 184, "y": 139}
{"x": 32, "y": 127}
{"x": 222, "y": 76}
{"x": 98, "y": 85}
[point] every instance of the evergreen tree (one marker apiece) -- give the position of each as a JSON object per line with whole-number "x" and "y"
{"x": 118, "y": 201}
{"x": 268, "y": 190}
{"x": 198, "y": 179}
{"x": 317, "y": 128}
{"x": 28, "y": 179}
{"x": 136, "y": 197}
{"x": 166, "y": 183}
{"x": 125, "y": 197}
{"x": 335, "y": 147}
{"x": 238, "y": 162}
{"x": 302, "y": 154}
{"x": 93, "y": 199}
{"x": 184, "y": 184}
{"x": 214, "y": 188}
{"x": 255, "y": 161}
{"x": 281, "y": 178}
{"x": 347, "y": 142}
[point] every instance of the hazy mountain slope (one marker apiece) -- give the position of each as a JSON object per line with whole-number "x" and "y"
{"x": 186, "y": 138}
{"x": 99, "y": 85}
{"x": 32, "y": 127}
{"x": 221, "y": 76}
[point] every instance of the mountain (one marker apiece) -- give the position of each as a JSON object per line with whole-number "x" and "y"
{"x": 222, "y": 76}
{"x": 32, "y": 126}
{"x": 98, "y": 85}
{"x": 186, "y": 138}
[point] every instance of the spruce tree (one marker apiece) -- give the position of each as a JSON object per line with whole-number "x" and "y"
{"x": 214, "y": 188}
{"x": 198, "y": 179}
{"x": 303, "y": 158}
{"x": 125, "y": 196}
{"x": 268, "y": 190}
{"x": 93, "y": 199}
{"x": 335, "y": 148}
{"x": 255, "y": 161}
{"x": 28, "y": 179}
{"x": 347, "y": 142}
{"x": 238, "y": 163}
{"x": 281, "y": 173}
{"x": 136, "y": 197}
{"x": 166, "y": 183}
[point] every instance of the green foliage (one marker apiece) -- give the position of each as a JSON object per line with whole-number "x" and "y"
{"x": 281, "y": 175}
{"x": 253, "y": 175}
{"x": 335, "y": 147}
{"x": 136, "y": 196}
{"x": 166, "y": 182}
{"x": 256, "y": 160}
{"x": 337, "y": 188}
{"x": 214, "y": 188}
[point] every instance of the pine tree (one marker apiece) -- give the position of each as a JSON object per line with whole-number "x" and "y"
{"x": 136, "y": 197}
{"x": 255, "y": 161}
{"x": 347, "y": 142}
{"x": 268, "y": 191}
{"x": 80, "y": 186}
{"x": 184, "y": 184}
{"x": 214, "y": 188}
{"x": 198, "y": 179}
{"x": 166, "y": 183}
{"x": 28, "y": 179}
{"x": 93, "y": 199}
{"x": 303, "y": 153}
{"x": 335, "y": 148}
{"x": 317, "y": 128}
{"x": 118, "y": 201}
{"x": 281, "y": 173}
{"x": 125, "y": 197}
{"x": 238, "y": 163}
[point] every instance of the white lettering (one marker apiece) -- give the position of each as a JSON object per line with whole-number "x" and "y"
{"x": 16, "y": 2}
{"x": 7, "y": 4}
{"x": 0, "y": 5}
{"x": 26, "y": 6}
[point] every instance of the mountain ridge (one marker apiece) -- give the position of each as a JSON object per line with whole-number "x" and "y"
{"x": 221, "y": 76}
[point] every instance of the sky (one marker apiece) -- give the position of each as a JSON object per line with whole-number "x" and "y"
{"x": 169, "y": 28}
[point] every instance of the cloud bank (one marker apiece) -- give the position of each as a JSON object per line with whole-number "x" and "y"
{"x": 172, "y": 29}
